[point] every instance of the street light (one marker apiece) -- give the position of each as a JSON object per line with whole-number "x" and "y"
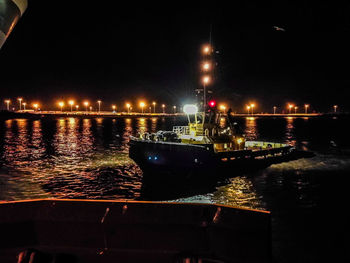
{"x": 306, "y": 106}
{"x": 99, "y": 105}
{"x": 290, "y": 108}
{"x": 86, "y": 103}
{"x": 295, "y": 109}
{"x": 174, "y": 109}
{"x": 223, "y": 108}
{"x": 114, "y": 107}
{"x": 163, "y": 106}
{"x": 142, "y": 104}
{"x": 128, "y": 107}
{"x": 7, "y": 104}
{"x": 76, "y": 107}
{"x": 206, "y": 66}
{"x": 252, "y": 106}
{"x": 274, "y": 109}
{"x": 154, "y": 107}
{"x": 35, "y": 106}
{"x": 71, "y": 103}
{"x": 61, "y": 104}
{"x": 206, "y": 80}
{"x": 20, "y": 103}
{"x": 24, "y": 105}
{"x": 335, "y": 108}
{"x": 206, "y": 49}
{"x": 248, "y": 108}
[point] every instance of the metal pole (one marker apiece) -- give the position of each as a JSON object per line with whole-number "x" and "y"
{"x": 204, "y": 97}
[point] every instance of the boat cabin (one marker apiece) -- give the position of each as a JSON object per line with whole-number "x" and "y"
{"x": 210, "y": 127}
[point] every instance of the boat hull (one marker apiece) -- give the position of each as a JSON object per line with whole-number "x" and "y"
{"x": 155, "y": 157}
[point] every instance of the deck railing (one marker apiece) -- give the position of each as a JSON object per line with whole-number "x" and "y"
{"x": 181, "y": 130}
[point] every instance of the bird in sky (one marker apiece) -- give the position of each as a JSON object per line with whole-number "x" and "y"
{"x": 277, "y": 28}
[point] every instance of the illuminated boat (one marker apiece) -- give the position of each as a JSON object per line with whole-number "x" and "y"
{"x": 210, "y": 141}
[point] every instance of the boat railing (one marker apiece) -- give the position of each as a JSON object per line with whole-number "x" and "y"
{"x": 181, "y": 130}
{"x": 261, "y": 144}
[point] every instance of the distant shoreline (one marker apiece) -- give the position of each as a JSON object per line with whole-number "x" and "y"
{"x": 51, "y": 114}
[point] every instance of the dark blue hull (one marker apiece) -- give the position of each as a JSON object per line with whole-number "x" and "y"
{"x": 175, "y": 158}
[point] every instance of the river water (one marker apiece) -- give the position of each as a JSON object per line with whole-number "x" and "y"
{"x": 88, "y": 158}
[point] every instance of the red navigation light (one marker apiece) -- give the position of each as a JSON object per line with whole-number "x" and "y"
{"x": 212, "y": 103}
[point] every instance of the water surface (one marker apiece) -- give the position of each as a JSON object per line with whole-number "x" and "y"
{"x": 88, "y": 158}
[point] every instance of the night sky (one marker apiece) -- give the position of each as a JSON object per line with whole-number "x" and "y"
{"x": 93, "y": 50}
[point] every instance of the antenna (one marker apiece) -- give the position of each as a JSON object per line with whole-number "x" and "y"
{"x": 211, "y": 28}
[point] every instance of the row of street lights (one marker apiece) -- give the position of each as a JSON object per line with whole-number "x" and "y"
{"x": 142, "y": 105}
{"x": 21, "y": 103}
{"x": 250, "y": 108}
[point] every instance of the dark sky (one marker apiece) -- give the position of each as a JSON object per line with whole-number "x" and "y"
{"x": 94, "y": 50}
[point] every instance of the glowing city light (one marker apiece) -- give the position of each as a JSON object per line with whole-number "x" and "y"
{"x": 222, "y": 107}
{"x": 163, "y": 107}
{"x": 20, "y": 103}
{"x": 142, "y": 105}
{"x": 86, "y": 103}
{"x": 252, "y": 107}
{"x": 61, "y": 104}
{"x": 7, "y": 104}
{"x": 154, "y": 107}
{"x": 128, "y": 107}
{"x": 35, "y": 106}
{"x": 206, "y": 66}
{"x": 99, "y": 105}
{"x": 206, "y": 79}
{"x": 71, "y": 103}
{"x": 290, "y": 106}
{"x": 306, "y": 106}
{"x": 206, "y": 49}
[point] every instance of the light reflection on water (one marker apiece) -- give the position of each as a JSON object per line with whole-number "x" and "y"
{"x": 88, "y": 158}
{"x": 251, "y": 130}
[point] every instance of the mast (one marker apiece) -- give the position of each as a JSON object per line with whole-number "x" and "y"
{"x": 207, "y": 67}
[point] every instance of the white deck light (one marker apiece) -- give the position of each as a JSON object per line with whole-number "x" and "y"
{"x": 190, "y": 109}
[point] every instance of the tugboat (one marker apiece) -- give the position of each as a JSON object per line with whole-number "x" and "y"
{"x": 210, "y": 141}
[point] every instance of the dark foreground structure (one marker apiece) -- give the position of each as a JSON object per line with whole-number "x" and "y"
{"x": 114, "y": 231}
